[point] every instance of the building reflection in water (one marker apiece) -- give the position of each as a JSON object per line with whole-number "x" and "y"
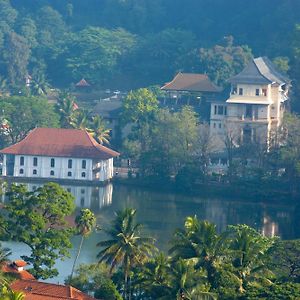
{"x": 93, "y": 197}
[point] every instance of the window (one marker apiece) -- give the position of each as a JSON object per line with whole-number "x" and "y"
{"x": 35, "y": 161}
{"x": 241, "y": 91}
{"x": 82, "y": 202}
{"x": 220, "y": 109}
{"x": 83, "y": 174}
{"x": 69, "y": 190}
{"x": 82, "y": 191}
{"x": 70, "y": 163}
{"x": 264, "y": 92}
{"x": 234, "y": 90}
{"x": 83, "y": 165}
{"x": 34, "y": 172}
{"x": 52, "y": 173}
{"x": 21, "y": 171}
{"x": 220, "y": 125}
{"x": 69, "y": 174}
{"x": 215, "y": 109}
{"x": 225, "y": 110}
{"x": 257, "y": 92}
{"x": 52, "y": 163}
{"x": 22, "y": 161}
{"x": 214, "y": 125}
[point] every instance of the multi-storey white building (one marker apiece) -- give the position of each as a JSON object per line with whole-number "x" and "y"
{"x": 58, "y": 154}
{"x": 255, "y": 106}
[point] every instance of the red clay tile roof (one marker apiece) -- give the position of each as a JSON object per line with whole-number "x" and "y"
{"x": 20, "y": 263}
{"x": 82, "y": 83}
{"x": 192, "y": 83}
{"x": 36, "y": 290}
{"x": 8, "y": 268}
{"x": 60, "y": 142}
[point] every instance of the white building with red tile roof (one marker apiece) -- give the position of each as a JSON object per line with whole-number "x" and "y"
{"x": 55, "y": 153}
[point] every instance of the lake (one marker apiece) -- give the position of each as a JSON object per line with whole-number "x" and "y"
{"x": 162, "y": 212}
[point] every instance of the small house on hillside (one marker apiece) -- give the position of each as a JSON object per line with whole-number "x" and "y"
{"x": 55, "y": 153}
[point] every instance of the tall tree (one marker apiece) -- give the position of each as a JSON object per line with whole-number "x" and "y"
{"x": 37, "y": 219}
{"x": 25, "y": 113}
{"x": 85, "y": 223}
{"x": 16, "y": 57}
{"x": 126, "y": 248}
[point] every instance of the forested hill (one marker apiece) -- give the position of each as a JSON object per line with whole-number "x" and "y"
{"x": 129, "y": 43}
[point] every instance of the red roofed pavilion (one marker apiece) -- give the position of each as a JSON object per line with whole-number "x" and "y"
{"x": 59, "y": 153}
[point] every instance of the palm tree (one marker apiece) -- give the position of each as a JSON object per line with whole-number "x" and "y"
{"x": 7, "y": 293}
{"x": 248, "y": 251}
{"x": 99, "y": 131}
{"x": 4, "y": 254}
{"x": 80, "y": 119}
{"x": 39, "y": 85}
{"x": 85, "y": 223}
{"x": 199, "y": 241}
{"x": 66, "y": 107}
{"x": 126, "y": 248}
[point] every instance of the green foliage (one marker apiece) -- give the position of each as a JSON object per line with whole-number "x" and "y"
{"x": 139, "y": 105}
{"x": 95, "y": 278}
{"x": 16, "y": 57}
{"x": 285, "y": 260}
{"x": 94, "y": 53}
{"x": 287, "y": 291}
{"x": 222, "y": 62}
{"x": 25, "y": 113}
{"x": 37, "y": 219}
{"x": 126, "y": 248}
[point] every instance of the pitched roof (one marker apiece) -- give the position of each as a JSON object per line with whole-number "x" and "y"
{"x": 11, "y": 267}
{"x": 192, "y": 83}
{"x": 82, "y": 83}
{"x": 36, "y": 290}
{"x": 109, "y": 108}
{"x": 260, "y": 71}
{"x": 60, "y": 142}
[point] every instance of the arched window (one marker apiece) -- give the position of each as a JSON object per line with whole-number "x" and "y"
{"x": 83, "y": 174}
{"x": 69, "y": 174}
{"x": 21, "y": 171}
{"x": 51, "y": 173}
{"x": 34, "y": 172}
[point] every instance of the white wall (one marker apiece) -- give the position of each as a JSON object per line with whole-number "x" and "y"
{"x": 61, "y": 169}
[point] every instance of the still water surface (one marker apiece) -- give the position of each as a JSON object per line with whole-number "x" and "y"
{"x": 162, "y": 212}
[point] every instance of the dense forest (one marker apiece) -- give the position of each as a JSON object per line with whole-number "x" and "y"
{"x": 127, "y": 44}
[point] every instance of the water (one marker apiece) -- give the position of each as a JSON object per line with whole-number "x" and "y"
{"x": 161, "y": 213}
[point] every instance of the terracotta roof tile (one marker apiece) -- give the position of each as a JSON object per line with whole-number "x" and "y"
{"x": 60, "y": 142}
{"x": 8, "y": 268}
{"x": 192, "y": 83}
{"x": 34, "y": 290}
{"x": 82, "y": 83}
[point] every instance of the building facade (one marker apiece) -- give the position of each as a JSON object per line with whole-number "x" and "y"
{"x": 59, "y": 154}
{"x": 255, "y": 106}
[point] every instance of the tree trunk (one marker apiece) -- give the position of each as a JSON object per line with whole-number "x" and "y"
{"x": 76, "y": 258}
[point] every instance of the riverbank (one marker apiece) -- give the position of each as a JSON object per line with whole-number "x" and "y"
{"x": 253, "y": 191}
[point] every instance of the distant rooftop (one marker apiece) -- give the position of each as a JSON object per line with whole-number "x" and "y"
{"x": 60, "y": 142}
{"x": 82, "y": 83}
{"x": 36, "y": 290}
{"x": 191, "y": 82}
{"x": 260, "y": 71}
